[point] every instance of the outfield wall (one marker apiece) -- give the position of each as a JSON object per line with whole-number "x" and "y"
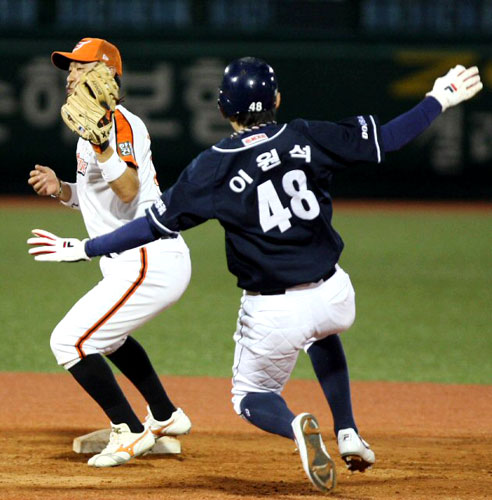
{"x": 173, "y": 87}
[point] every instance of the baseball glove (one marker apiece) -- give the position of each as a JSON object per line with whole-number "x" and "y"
{"x": 89, "y": 109}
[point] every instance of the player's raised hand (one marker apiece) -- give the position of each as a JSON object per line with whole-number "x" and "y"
{"x": 48, "y": 247}
{"x": 44, "y": 181}
{"x": 457, "y": 85}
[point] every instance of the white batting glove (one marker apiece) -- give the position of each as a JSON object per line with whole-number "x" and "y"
{"x": 457, "y": 85}
{"x": 48, "y": 247}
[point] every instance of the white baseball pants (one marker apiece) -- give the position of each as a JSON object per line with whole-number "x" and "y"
{"x": 137, "y": 285}
{"x": 271, "y": 329}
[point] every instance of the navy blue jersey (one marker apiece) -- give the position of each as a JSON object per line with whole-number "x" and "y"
{"x": 269, "y": 189}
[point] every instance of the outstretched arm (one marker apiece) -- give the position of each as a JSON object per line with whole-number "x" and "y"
{"x": 406, "y": 127}
{"x": 135, "y": 233}
{"x": 458, "y": 85}
{"x": 48, "y": 247}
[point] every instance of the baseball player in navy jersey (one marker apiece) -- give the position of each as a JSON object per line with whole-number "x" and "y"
{"x": 116, "y": 183}
{"x": 268, "y": 185}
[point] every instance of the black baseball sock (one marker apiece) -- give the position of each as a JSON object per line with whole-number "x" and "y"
{"x": 330, "y": 366}
{"x": 97, "y": 379}
{"x": 269, "y": 412}
{"x": 132, "y": 360}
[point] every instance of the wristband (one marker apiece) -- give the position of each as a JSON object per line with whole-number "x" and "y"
{"x": 112, "y": 168}
{"x": 57, "y": 195}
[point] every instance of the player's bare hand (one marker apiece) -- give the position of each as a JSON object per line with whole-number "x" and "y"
{"x": 457, "y": 85}
{"x": 44, "y": 181}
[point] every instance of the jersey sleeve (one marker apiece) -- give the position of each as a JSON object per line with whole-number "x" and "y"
{"x": 73, "y": 202}
{"x": 355, "y": 139}
{"x": 190, "y": 201}
{"x": 125, "y": 139}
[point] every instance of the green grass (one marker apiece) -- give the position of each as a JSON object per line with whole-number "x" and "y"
{"x": 423, "y": 285}
{"x": 423, "y": 288}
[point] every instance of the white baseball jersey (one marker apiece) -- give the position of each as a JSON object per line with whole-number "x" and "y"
{"x": 101, "y": 208}
{"x": 138, "y": 283}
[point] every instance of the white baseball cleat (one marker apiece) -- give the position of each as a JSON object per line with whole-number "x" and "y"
{"x": 317, "y": 463}
{"x": 123, "y": 445}
{"x": 355, "y": 451}
{"x": 176, "y": 425}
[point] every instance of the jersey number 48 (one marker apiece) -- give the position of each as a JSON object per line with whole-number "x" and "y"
{"x": 303, "y": 202}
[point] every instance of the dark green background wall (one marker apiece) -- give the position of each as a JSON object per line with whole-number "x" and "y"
{"x": 172, "y": 85}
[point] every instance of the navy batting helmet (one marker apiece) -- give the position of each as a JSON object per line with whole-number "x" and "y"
{"x": 249, "y": 85}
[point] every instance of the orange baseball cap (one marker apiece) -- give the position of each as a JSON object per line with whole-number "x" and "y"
{"x": 90, "y": 50}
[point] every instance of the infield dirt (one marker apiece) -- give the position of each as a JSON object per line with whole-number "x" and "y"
{"x": 431, "y": 441}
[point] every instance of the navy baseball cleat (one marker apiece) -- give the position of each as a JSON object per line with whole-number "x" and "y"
{"x": 355, "y": 452}
{"x": 317, "y": 463}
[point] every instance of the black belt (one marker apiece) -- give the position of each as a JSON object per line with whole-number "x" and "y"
{"x": 281, "y": 291}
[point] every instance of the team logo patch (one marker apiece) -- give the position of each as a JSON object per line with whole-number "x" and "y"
{"x": 125, "y": 148}
{"x": 252, "y": 139}
{"x": 81, "y": 165}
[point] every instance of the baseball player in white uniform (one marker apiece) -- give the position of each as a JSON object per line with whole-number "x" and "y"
{"x": 116, "y": 183}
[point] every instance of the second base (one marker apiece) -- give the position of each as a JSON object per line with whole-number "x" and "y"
{"x": 96, "y": 441}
